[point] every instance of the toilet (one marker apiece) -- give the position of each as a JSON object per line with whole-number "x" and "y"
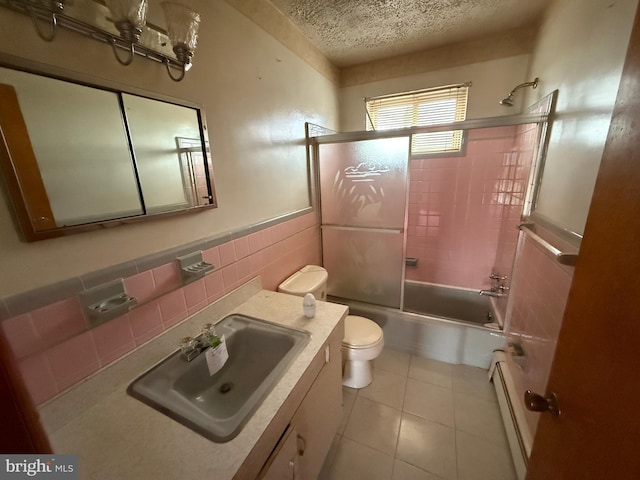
{"x": 363, "y": 338}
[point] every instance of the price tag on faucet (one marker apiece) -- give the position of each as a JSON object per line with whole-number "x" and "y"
{"x": 217, "y": 357}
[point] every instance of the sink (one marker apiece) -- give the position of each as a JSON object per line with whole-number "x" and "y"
{"x": 218, "y": 406}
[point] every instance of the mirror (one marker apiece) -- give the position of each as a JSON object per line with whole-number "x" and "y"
{"x": 76, "y": 156}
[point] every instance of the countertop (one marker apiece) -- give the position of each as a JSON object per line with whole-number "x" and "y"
{"x": 119, "y": 437}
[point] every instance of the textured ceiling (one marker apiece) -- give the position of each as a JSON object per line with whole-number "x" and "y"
{"x": 350, "y": 32}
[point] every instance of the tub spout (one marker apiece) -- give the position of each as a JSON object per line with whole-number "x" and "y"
{"x": 490, "y": 293}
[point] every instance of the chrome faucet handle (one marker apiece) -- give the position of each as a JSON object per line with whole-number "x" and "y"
{"x": 188, "y": 343}
{"x": 190, "y": 348}
{"x": 497, "y": 276}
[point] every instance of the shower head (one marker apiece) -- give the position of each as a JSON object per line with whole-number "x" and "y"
{"x": 508, "y": 101}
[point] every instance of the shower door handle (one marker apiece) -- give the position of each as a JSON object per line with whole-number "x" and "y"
{"x": 537, "y": 403}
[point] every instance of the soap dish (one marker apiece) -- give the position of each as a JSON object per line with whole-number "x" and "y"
{"x": 193, "y": 266}
{"x": 119, "y": 303}
{"x": 106, "y": 301}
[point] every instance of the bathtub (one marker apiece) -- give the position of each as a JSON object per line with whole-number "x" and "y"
{"x": 459, "y": 304}
{"x": 438, "y": 335}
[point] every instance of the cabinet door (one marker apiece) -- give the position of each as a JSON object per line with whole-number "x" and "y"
{"x": 318, "y": 418}
{"x": 283, "y": 464}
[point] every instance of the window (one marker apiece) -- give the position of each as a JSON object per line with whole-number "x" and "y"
{"x": 422, "y": 108}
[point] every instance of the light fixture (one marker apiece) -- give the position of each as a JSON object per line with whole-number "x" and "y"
{"x": 508, "y": 101}
{"x": 129, "y": 17}
{"x": 182, "y": 25}
{"x": 96, "y": 20}
{"x": 53, "y": 7}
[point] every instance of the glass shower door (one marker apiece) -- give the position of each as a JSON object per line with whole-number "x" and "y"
{"x": 363, "y": 190}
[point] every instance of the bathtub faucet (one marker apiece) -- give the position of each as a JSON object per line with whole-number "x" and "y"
{"x": 498, "y": 288}
{"x": 491, "y": 293}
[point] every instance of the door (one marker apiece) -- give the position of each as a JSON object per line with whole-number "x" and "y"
{"x": 363, "y": 196}
{"x": 283, "y": 462}
{"x": 595, "y": 372}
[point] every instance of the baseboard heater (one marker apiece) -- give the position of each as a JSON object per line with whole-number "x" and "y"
{"x": 512, "y": 410}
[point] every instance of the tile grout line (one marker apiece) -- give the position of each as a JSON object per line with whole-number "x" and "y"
{"x": 404, "y": 396}
{"x": 456, "y": 430}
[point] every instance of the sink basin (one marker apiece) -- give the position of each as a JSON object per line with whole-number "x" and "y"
{"x": 218, "y": 406}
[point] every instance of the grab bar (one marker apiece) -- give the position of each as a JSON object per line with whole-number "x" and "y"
{"x": 564, "y": 258}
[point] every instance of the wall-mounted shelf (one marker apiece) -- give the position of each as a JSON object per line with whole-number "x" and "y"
{"x": 411, "y": 262}
{"x": 106, "y": 302}
{"x": 565, "y": 256}
{"x": 193, "y": 266}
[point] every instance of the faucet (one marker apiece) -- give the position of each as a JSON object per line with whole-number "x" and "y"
{"x": 498, "y": 287}
{"x": 191, "y": 347}
{"x": 491, "y": 293}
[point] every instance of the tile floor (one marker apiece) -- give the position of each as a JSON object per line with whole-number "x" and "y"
{"x": 420, "y": 419}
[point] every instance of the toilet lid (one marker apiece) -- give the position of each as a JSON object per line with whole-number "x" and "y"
{"x": 304, "y": 281}
{"x": 360, "y": 331}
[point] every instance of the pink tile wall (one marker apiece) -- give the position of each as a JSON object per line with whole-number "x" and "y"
{"x": 455, "y": 210}
{"x": 55, "y": 350}
{"x": 540, "y": 289}
{"x": 539, "y": 285}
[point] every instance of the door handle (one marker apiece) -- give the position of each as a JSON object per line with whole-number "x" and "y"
{"x": 302, "y": 445}
{"x": 537, "y": 403}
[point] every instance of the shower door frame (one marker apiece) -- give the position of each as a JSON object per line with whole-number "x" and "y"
{"x": 313, "y": 150}
{"x": 326, "y": 139}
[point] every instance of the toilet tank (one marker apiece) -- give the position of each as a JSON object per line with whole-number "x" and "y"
{"x": 309, "y": 279}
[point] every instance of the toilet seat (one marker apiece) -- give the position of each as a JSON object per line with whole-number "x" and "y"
{"x": 360, "y": 332}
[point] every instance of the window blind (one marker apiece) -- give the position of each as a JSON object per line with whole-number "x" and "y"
{"x": 418, "y": 109}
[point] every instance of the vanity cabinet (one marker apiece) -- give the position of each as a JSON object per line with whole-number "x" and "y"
{"x": 318, "y": 417}
{"x": 284, "y": 462}
{"x": 295, "y": 444}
